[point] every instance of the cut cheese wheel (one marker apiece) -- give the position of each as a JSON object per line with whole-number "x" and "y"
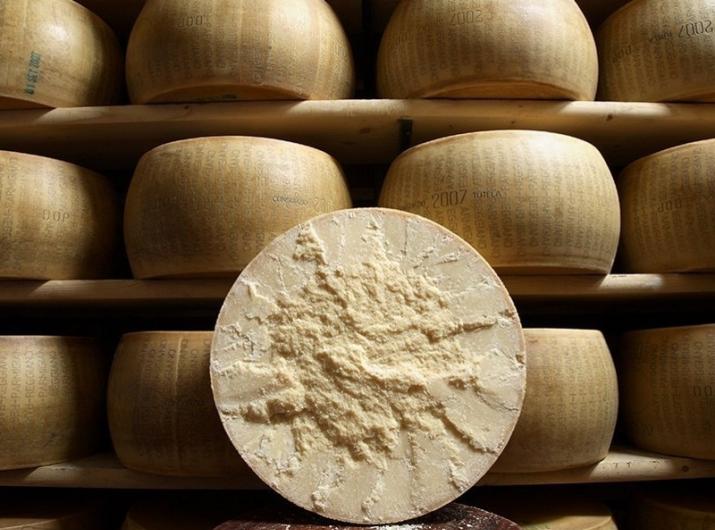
{"x": 207, "y": 206}
{"x": 525, "y": 49}
{"x": 161, "y": 412}
{"x": 668, "y": 390}
{"x": 56, "y": 53}
{"x": 51, "y": 399}
{"x": 180, "y": 50}
{"x": 653, "y": 50}
{"x": 369, "y": 366}
{"x": 682, "y": 509}
{"x": 668, "y": 210}
{"x": 58, "y": 221}
{"x": 530, "y": 202}
{"x": 571, "y": 403}
{"x": 41, "y": 511}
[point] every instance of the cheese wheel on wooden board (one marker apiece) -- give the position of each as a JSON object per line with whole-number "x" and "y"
{"x": 571, "y": 403}
{"x": 207, "y": 206}
{"x": 34, "y": 510}
{"x": 56, "y": 53}
{"x": 223, "y": 50}
{"x": 530, "y": 202}
{"x": 520, "y": 49}
{"x": 676, "y": 509}
{"x": 161, "y": 412}
{"x": 659, "y": 50}
{"x": 668, "y": 390}
{"x": 668, "y": 210}
{"x": 58, "y": 221}
{"x": 51, "y": 399}
{"x": 369, "y": 366}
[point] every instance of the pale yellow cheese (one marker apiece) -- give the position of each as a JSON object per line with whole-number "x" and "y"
{"x": 668, "y": 383}
{"x": 161, "y": 413}
{"x": 678, "y": 509}
{"x": 369, "y": 366}
{"x": 207, "y": 206}
{"x": 571, "y": 403}
{"x": 51, "y": 399}
{"x": 530, "y": 202}
{"x": 181, "y": 50}
{"x": 668, "y": 210}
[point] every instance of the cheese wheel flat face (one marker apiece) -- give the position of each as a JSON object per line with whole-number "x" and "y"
{"x": 659, "y": 50}
{"x": 205, "y": 207}
{"x": 524, "y": 49}
{"x": 59, "y": 221}
{"x": 51, "y": 399}
{"x": 681, "y": 509}
{"x": 668, "y": 210}
{"x": 530, "y": 202}
{"x": 56, "y": 53}
{"x": 369, "y": 366}
{"x": 223, "y": 50}
{"x": 668, "y": 382}
{"x": 167, "y": 424}
{"x": 571, "y": 403}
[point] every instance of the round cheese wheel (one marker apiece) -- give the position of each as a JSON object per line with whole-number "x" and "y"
{"x": 524, "y": 49}
{"x": 668, "y": 390}
{"x": 530, "y": 202}
{"x": 51, "y": 399}
{"x": 682, "y": 509}
{"x": 369, "y": 366}
{"x": 57, "y": 220}
{"x": 35, "y": 510}
{"x": 56, "y": 53}
{"x": 207, "y": 206}
{"x": 667, "y": 209}
{"x": 161, "y": 413}
{"x": 651, "y": 50}
{"x": 180, "y": 50}
{"x": 571, "y": 403}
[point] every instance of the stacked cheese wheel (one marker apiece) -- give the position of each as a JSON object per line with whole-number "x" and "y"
{"x": 207, "y": 206}
{"x": 652, "y": 50}
{"x": 59, "y": 221}
{"x": 161, "y": 414}
{"x": 681, "y": 509}
{"x": 571, "y": 403}
{"x": 528, "y": 201}
{"x": 668, "y": 384}
{"x": 668, "y": 202}
{"x": 528, "y": 49}
{"x": 56, "y": 53}
{"x": 51, "y": 399}
{"x": 183, "y": 51}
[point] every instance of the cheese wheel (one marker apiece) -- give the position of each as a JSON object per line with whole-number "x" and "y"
{"x": 57, "y": 220}
{"x": 571, "y": 403}
{"x": 668, "y": 389}
{"x": 39, "y": 511}
{"x": 207, "y": 206}
{"x": 668, "y": 210}
{"x": 161, "y": 413}
{"x": 56, "y": 53}
{"x": 51, "y": 399}
{"x": 369, "y": 366}
{"x": 524, "y": 49}
{"x": 530, "y": 202}
{"x": 184, "y": 51}
{"x": 681, "y": 509}
{"x": 658, "y": 50}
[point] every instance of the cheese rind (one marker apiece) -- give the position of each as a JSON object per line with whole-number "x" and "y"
{"x": 668, "y": 384}
{"x": 205, "y": 207}
{"x": 571, "y": 404}
{"x": 51, "y": 399}
{"x": 667, "y": 209}
{"x": 161, "y": 412}
{"x": 216, "y": 50}
{"x": 530, "y": 202}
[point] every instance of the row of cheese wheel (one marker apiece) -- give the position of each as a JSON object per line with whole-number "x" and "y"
{"x": 57, "y": 53}
{"x": 163, "y": 420}
{"x": 530, "y": 202}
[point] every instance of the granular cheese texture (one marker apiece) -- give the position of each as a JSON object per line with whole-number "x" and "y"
{"x": 369, "y": 366}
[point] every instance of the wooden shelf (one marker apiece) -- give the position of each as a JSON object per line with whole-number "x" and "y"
{"x": 354, "y": 131}
{"x": 105, "y": 472}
